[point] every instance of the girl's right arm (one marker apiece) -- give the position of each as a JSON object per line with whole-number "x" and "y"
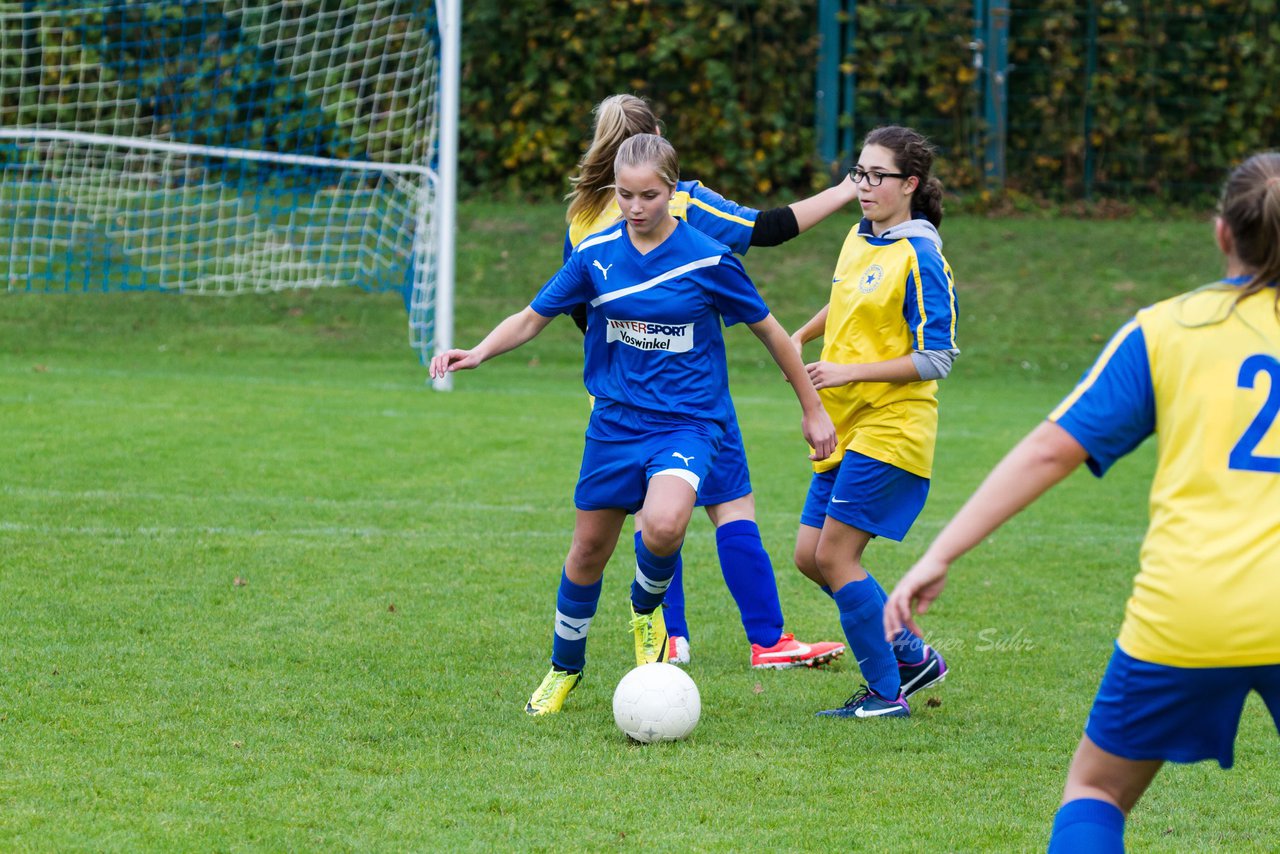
{"x": 812, "y": 329}
{"x": 813, "y": 210}
{"x": 740, "y": 227}
{"x": 507, "y": 335}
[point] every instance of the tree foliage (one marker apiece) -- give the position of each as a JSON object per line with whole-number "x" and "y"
{"x": 1169, "y": 97}
{"x": 732, "y": 81}
{"x": 1114, "y": 97}
{"x": 1117, "y": 97}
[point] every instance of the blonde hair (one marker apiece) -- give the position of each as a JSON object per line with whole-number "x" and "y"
{"x": 1250, "y": 208}
{"x": 616, "y": 118}
{"x": 648, "y": 149}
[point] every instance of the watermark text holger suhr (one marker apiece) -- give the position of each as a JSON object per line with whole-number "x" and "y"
{"x": 990, "y": 639}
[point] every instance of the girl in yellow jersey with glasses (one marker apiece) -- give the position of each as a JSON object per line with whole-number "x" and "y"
{"x": 889, "y": 335}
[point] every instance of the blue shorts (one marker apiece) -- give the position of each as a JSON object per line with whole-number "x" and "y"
{"x": 623, "y": 452}
{"x": 867, "y": 494}
{"x": 729, "y": 477}
{"x": 1149, "y": 711}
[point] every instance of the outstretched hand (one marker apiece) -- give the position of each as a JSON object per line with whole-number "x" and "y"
{"x": 913, "y": 595}
{"x": 453, "y": 360}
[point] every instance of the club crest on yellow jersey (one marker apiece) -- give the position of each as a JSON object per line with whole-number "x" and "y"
{"x": 871, "y": 278}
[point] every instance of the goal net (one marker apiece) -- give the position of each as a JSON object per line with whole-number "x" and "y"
{"x": 221, "y": 147}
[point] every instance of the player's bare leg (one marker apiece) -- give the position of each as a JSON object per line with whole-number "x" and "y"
{"x": 1095, "y": 773}
{"x": 1101, "y": 789}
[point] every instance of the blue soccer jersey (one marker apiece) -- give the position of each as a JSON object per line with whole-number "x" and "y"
{"x": 654, "y": 341}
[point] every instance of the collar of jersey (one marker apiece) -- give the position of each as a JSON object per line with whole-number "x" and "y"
{"x": 917, "y": 226}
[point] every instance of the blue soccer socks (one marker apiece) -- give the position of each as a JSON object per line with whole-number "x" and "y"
{"x": 1088, "y": 824}
{"x": 575, "y": 606}
{"x": 653, "y": 577}
{"x": 673, "y": 604}
{"x": 908, "y": 647}
{"x": 748, "y": 573}
{"x": 862, "y": 618}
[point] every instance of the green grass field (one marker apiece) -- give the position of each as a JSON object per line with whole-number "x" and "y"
{"x": 262, "y": 590}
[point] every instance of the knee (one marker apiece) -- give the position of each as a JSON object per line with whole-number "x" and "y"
{"x": 662, "y": 536}
{"x": 1121, "y": 790}
{"x": 1103, "y": 776}
{"x": 825, "y": 559}
{"x": 805, "y": 561}
{"x": 589, "y": 553}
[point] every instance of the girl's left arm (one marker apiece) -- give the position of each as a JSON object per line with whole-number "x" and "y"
{"x": 816, "y": 424}
{"x": 900, "y": 369}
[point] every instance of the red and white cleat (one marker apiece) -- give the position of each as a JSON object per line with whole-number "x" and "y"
{"x": 789, "y": 652}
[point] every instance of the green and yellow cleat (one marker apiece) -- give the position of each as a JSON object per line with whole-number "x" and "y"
{"x": 550, "y": 695}
{"x": 651, "y": 636}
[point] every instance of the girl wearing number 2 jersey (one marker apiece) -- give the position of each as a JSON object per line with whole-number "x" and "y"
{"x": 1202, "y": 372}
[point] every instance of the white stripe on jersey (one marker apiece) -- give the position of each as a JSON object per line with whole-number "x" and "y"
{"x": 599, "y": 238}
{"x": 710, "y": 261}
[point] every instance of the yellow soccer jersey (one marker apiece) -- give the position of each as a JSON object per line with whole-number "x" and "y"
{"x": 890, "y": 295}
{"x": 1203, "y": 372}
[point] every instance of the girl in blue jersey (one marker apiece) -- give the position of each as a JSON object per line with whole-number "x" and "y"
{"x": 1200, "y": 630}
{"x": 727, "y": 495}
{"x": 657, "y": 292}
{"x": 888, "y": 336}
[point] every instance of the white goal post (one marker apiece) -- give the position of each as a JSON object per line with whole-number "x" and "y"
{"x": 232, "y": 146}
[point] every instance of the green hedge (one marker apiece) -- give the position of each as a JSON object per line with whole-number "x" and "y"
{"x": 1175, "y": 94}
{"x": 1118, "y": 98}
{"x": 1169, "y": 96}
{"x": 732, "y": 81}
{"x": 912, "y": 64}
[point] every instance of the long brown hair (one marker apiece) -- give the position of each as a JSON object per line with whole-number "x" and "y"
{"x": 616, "y": 118}
{"x": 1250, "y": 208}
{"x": 914, "y": 154}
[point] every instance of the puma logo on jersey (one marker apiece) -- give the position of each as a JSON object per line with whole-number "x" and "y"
{"x": 682, "y": 457}
{"x": 604, "y": 271}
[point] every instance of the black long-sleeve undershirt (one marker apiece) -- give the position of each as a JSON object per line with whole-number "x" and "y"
{"x": 775, "y": 226}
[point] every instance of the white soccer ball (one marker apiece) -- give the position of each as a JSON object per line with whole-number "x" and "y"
{"x": 656, "y": 702}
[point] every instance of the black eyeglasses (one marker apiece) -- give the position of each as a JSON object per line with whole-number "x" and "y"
{"x": 873, "y": 176}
